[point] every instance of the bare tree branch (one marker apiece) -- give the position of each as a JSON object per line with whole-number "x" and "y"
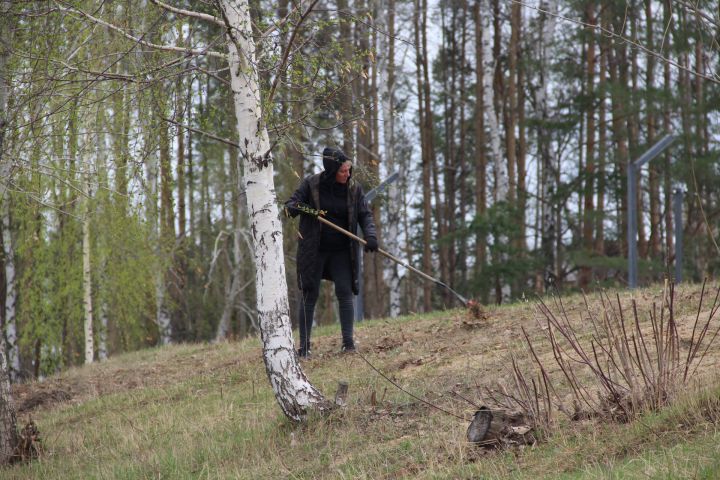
{"x": 189, "y": 13}
{"x": 167, "y": 48}
{"x": 611, "y": 34}
{"x": 286, "y": 53}
{"x": 201, "y": 132}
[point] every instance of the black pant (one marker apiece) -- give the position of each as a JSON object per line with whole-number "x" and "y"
{"x": 340, "y": 270}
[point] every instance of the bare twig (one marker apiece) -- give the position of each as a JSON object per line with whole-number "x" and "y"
{"x": 189, "y": 13}
{"x": 286, "y": 53}
{"x": 168, "y": 48}
{"x": 395, "y": 384}
{"x": 610, "y": 33}
{"x": 201, "y": 132}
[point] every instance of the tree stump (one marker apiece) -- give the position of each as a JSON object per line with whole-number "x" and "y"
{"x": 499, "y": 428}
{"x": 341, "y": 394}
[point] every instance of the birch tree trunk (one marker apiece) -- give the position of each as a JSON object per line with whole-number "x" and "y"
{"x": 11, "y": 347}
{"x": 232, "y": 291}
{"x": 654, "y": 177}
{"x": 480, "y": 161}
{"x": 153, "y": 215}
{"x": 8, "y": 421}
{"x": 346, "y": 93}
{"x": 502, "y": 185}
{"x": 293, "y": 391}
{"x": 602, "y": 152}
{"x": 588, "y": 212}
{"x": 87, "y": 274}
{"x": 101, "y": 164}
{"x": 667, "y": 102}
{"x": 387, "y": 94}
{"x": 103, "y": 333}
{"x": 547, "y": 189}
{"x": 162, "y": 319}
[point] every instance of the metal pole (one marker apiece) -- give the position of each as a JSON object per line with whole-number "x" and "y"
{"x": 655, "y": 150}
{"x": 677, "y": 214}
{"x": 632, "y": 231}
{"x": 632, "y": 227}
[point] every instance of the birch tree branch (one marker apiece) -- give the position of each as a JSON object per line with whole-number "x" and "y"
{"x": 140, "y": 41}
{"x": 189, "y": 13}
{"x": 214, "y": 75}
{"x": 201, "y": 132}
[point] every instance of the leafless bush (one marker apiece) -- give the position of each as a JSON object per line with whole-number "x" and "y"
{"x": 622, "y": 368}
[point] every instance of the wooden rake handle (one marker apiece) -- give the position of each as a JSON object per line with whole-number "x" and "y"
{"x": 392, "y": 257}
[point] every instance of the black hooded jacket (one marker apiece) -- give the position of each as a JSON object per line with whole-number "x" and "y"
{"x": 310, "y": 230}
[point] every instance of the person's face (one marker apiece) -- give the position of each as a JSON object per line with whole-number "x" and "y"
{"x": 343, "y": 173}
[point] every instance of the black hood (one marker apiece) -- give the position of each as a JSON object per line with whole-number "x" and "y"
{"x": 333, "y": 158}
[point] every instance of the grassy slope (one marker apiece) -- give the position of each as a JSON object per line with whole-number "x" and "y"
{"x": 206, "y": 411}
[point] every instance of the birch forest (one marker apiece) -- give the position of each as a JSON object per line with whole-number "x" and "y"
{"x": 129, "y": 210}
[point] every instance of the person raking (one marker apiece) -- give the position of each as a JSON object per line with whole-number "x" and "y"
{"x": 324, "y": 253}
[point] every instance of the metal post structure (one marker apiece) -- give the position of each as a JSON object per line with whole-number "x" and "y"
{"x": 677, "y": 214}
{"x": 632, "y": 226}
{"x": 369, "y": 197}
{"x": 632, "y": 232}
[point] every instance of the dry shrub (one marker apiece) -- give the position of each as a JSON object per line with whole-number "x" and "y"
{"x": 28, "y": 446}
{"x": 625, "y": 368}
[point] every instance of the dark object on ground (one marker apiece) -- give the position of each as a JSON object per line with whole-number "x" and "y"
{"x": 499, "y": 428}
{"x": 478, "y": 429}
{"x": 304, "y": 354}
{"x": 348, "y": 348}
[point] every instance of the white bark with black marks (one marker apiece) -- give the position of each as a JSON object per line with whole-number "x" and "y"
{"x": 8, "y": 421}
{"x": 10, "y": 326}
{"x": 293, "y": 391}
{"x": 87, "y": 275}
{"x": 387, "y": 92}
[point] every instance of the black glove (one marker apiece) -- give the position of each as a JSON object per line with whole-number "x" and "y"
{"x": 371, "y": 244}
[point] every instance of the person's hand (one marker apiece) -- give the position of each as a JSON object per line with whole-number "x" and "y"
{"x": 305, "y": 209}
{"x": 371, "y": 245}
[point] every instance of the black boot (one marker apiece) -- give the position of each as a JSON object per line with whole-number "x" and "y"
{"x": 304, "y": 353}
